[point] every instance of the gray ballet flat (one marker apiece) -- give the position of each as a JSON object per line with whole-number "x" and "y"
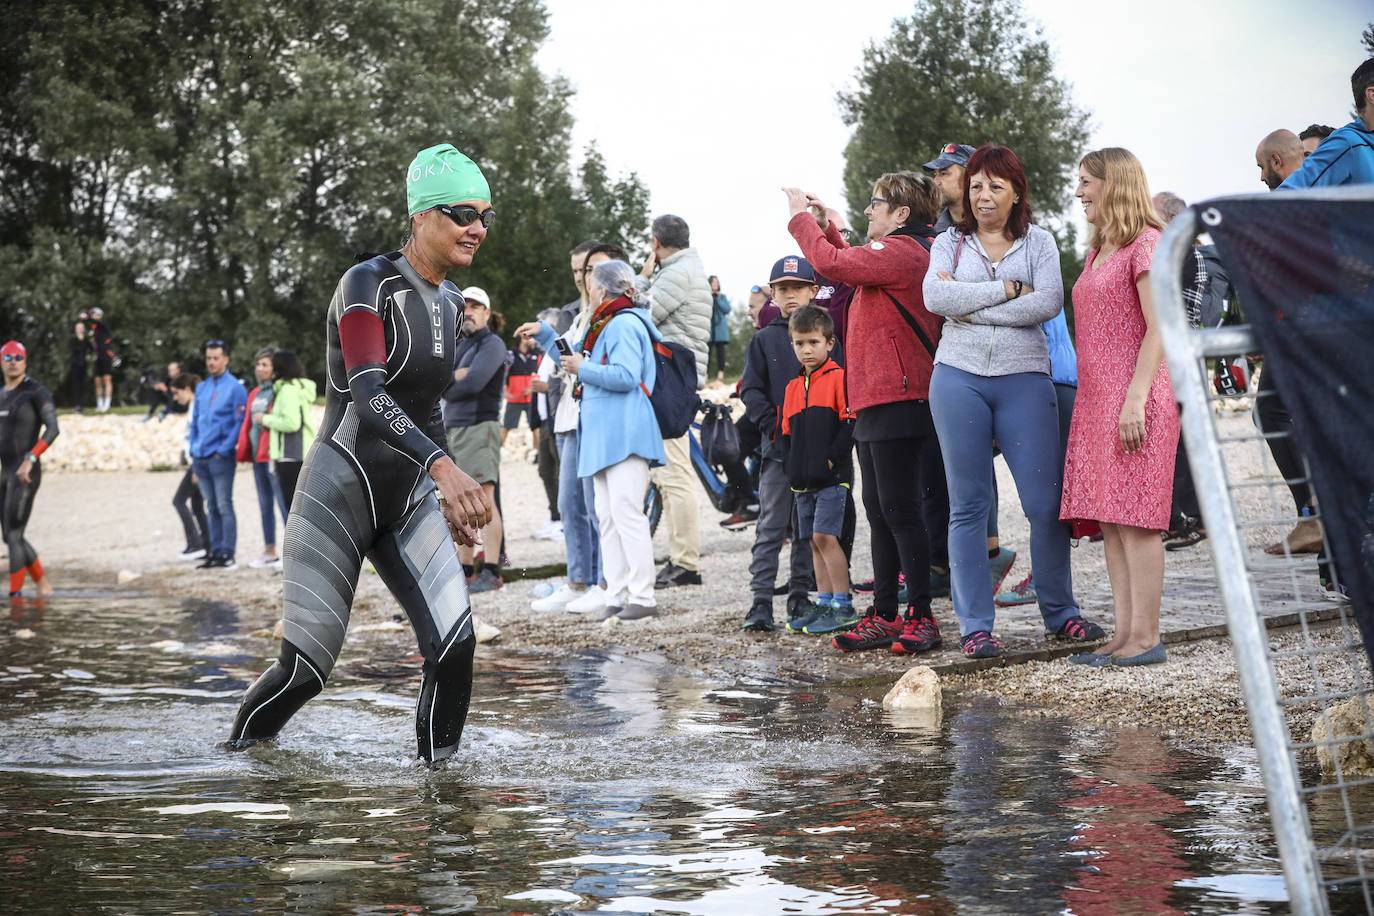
{"x": 1091, "y": 659}
{"x": 637, "y": 611}
{"x": 1154, "y": 656}
{"x": 612, "y": 610}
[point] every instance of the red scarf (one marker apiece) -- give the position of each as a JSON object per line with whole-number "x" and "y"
{"x": 603, "y": 314}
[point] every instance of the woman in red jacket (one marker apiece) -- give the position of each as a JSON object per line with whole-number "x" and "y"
{"x": 890, "y": 352}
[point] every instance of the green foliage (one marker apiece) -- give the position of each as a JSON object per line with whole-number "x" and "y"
{"x": 962, "y": 71}
{"x": 209, "y": 168}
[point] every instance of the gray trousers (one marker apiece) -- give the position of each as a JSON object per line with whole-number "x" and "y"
{"x": 776, "y": 505}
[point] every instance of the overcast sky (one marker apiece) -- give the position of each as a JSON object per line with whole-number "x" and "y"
{"x": 721, "y": 104}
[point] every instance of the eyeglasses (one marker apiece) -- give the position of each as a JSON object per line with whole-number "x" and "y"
{"x": 466, "y": 216}
{"x": 214, "y": 343}
{"x": 13, "y": 358}
{"x": 874, "y": 201}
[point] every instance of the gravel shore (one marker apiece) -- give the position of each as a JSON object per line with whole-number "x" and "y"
{"x": 90, "y": 525}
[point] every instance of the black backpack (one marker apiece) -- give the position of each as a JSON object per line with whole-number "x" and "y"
{"x": 674, "y": 398}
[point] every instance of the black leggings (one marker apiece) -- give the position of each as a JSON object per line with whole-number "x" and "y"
{"x": 190, "y": 506}
{"x": 288, "y": 472}
{"x": 893, "y": 483}
{"x": 16, "y": 502}
{"x": 716, "y": 348}
{"x": 1275, "y": 418}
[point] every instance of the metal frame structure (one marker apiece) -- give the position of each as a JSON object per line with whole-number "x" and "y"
{"x": 1252, "y": 583}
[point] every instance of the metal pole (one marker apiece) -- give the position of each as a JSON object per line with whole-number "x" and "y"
{"x": 1292, "y": 830}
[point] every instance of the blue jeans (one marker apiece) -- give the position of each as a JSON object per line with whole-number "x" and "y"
{"x": 577, "y": 507}
{"x": 269, "y": 495}
{"x": 1021, "y": 412}
{"x": 215, "y": 477}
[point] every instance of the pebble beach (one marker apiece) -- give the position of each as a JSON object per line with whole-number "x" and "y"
{"x": 104, "y": 518}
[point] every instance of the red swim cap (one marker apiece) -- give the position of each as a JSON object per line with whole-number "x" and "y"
{"x": 14, "y": 348}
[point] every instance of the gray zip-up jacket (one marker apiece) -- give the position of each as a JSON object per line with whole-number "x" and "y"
{"x": 681, "y": 303}
{"x": 986, "y": 333}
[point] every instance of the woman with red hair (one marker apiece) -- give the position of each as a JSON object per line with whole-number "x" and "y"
{"x": 995, "y": 278}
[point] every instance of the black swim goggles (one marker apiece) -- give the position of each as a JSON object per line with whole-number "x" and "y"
{"x": 465, "y": 216}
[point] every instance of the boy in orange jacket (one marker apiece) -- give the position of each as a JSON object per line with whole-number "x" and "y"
{"x": 817, "y": 430}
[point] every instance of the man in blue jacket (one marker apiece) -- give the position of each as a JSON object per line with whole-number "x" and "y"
{"x": 1347, "y": 156}
{"x": 217, "y": 414}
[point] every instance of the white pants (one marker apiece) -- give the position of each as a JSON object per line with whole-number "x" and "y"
{"x": 627, "y": 546}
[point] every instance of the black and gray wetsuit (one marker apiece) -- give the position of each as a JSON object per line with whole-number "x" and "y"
{"x": 365, "y": 491}
{"x": 24, "y": 409}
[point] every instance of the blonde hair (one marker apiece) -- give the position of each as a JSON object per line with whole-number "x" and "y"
{"x": 1124, "y": 206}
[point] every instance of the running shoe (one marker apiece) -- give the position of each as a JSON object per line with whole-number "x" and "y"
{"x": 872, "y": 632}
{"x": 1076, "y": 629}
{"x": 557, "y": 600}
{"x": 980, "y": 644}
{"x": 832, "y": 620}
{"x": 210, "y": 562}
{"x": 672, "y": 575}
{"x": 1000, "y": 565}
{"x": 1022, "y": 592}
{"x": 801, "y": 610}
{"x": 265, "y": 561}
{"x": 226, "y": 561}
{"x": 486, "y": 580}
{"x": 760, "y": 616}
{"x": 589, "y": 601}
{"x": 939, "y": 583}
{"x": 919, "y": 634}
{"x": 191, "y": 553}
{"x": 864, "y": 586}
{"x": 741, "y": 519}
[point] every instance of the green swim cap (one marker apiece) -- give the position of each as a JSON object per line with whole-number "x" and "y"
{"x": 442, "y": 175}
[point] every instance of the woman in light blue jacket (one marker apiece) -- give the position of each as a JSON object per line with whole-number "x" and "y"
{"x": 618, "y": 434}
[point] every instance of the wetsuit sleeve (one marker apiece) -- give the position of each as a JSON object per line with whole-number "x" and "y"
{"x": 362, "y": 342}
{"x": 47, "y": 414}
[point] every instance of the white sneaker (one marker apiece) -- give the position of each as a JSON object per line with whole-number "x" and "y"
{"x": 548, "y": 531}
{"x": 557, "y": 600}
{"x": 265, "y": 561}
{"x": 193, "y": 554}
{"x": 592, "y": 601}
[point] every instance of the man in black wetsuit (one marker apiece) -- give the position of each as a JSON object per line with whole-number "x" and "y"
{"x": 368, "y": 485}
{"x": 25, "y": 406}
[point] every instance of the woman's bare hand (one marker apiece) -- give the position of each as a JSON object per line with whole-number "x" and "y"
{"x": 1132, "y": 424}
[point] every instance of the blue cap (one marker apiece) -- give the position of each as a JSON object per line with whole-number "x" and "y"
{"x": 951, "y": 154}
{"x": 792, "y": 267}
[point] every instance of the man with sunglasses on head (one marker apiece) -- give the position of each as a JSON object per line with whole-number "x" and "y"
{"x": 378, "y": 485}
{"x": 25, "y": 405}
{"x": 213, "y": 436}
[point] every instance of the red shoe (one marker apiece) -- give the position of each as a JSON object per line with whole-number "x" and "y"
{"x": 919, "y": 634}
{"x": 871, "y": 632}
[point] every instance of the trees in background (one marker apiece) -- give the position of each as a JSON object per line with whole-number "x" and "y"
{"x": 966, "y": 71}
{"x": 207, "y": 169}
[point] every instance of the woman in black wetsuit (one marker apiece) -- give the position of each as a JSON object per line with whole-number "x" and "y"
{"x": 25, "y": 405}
{"x": 377, "y": 485}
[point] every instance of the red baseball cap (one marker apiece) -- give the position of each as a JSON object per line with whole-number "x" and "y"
{"x": 14, "y": 348}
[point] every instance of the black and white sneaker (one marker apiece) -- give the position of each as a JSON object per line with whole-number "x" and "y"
{"x": 674, "y": 575}
{"x": 191, "y": 553}
{"x": 211, "y": 561}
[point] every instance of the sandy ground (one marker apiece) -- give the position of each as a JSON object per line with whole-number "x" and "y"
{"x": 89, "y": 526}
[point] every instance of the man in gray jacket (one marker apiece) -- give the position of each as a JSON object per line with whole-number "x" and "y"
{"x": 681, "y": 302}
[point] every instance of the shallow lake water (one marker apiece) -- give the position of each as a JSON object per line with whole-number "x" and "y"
{"x": 592, "y": 782}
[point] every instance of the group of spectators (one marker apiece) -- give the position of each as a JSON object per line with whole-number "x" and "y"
{"x": 958, "y": 350}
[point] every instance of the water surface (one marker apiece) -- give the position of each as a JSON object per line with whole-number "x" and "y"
{"x": 587, "y": 783}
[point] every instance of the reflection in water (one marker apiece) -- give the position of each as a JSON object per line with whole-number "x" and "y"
{"x": 599, "y": 782}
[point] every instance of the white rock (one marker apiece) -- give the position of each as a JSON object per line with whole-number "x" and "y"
{"x": 919, "y": 688}
{"x": 24, "y": 633}
{"x": 127, "y": 575}
{"x": 1355, "y": 753}
{"x": 485, "y": 632}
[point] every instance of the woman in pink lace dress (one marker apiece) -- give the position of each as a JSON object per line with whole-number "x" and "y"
{"x": 1120, "y": 464}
